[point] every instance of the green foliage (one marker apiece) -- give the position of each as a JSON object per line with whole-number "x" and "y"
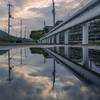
{"x": 36, "y": 50}
{"x": 95, "y": 24}
{"x": 36, "y": 35}
{"x": 4, "y": 39}
{"x": 76, "y": 29}
{"x": 7, "y": 40}
{"x": 46, "y": 30}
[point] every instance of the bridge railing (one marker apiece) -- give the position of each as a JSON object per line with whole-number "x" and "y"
{"x": 71, "y": 14}
{"x": 73, "y": 11}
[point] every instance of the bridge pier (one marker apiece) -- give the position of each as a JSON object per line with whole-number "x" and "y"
{"x": 85, "y": 57}
{"x": 66, "y": 36}
{"x": 52, "y": 39}
{"x": 57, "y": 48}
{"x": 46, "y": 40}
{"x": 41, "y": 41}
{"x": 57, "y": 38}
{"x": 49, "y": 40}
{"x": 67, "y": 52}
{"x": 85, "y": 33}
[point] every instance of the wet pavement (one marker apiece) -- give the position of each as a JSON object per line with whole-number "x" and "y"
{"x": 31, "y": 73}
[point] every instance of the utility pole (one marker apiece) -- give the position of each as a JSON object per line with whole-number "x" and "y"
{"x": 53, "y": 11}
{"x": 21, "y": 29}
{"x": 5, "y": 29}
{"x": 44, "y": 28}
{"x": 44, "y": 24}
{"x": 25, "y": 32}
{"x": 9, "y": 16}
{"x": 5, "y": 32}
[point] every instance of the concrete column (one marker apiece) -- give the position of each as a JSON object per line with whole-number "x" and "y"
{"x": 67, "y": 52}
{"x": 66, "y": 36}
{"x": 85, "y": 33}
{"x": 49, "y": 40}
{"x": 41, "y": 41}
{"x": 57, "y": 48}
{"x": 53, "y": 39}
{"x": 46, "y": 40}
{"x": 85, "y": 57}
{"x": 53, "y": 48}
{"x": 57, "y": 38}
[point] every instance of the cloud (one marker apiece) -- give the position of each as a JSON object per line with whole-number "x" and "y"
{"x": 34, "y": 13}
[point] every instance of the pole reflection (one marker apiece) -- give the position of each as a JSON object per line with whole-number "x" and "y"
{"x": 53, "y": 73}
{"x": 10, "y": 68}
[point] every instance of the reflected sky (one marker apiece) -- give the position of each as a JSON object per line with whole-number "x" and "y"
{"x": 37, "y": 76}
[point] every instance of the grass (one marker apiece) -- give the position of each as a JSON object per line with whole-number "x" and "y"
{"x": 7, "y": 40}
{"x": 91, "y": 43}
{"x": 96, "y": 43}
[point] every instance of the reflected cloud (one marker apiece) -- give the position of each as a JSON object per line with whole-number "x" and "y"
{"x": 32, "y": 80}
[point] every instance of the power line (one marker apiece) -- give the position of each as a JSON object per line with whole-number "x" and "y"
{"x": 14, "y": 29}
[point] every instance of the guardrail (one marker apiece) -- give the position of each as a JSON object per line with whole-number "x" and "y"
{"x": 71, "y": 14}
{"x": 73, "y": 11}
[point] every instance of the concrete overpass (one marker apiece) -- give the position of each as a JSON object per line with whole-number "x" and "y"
{"x": 81, "y": 15}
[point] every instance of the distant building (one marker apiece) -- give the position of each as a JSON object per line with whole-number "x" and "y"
{"x": 42, "y": 32}
{"x": 49, "y": 27}
{"x": 58, "y": 22}
{"x": 3, "y": 34}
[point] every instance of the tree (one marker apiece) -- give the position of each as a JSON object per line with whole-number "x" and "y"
{"x": 36, "y": 35}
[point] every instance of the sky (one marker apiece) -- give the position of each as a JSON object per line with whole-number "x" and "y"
{"x": 33, "y": 13}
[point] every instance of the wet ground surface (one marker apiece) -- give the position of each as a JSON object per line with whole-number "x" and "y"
{"x": 31, "y": 73}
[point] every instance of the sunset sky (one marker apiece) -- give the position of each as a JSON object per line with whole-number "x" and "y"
{"x": 34, "y": 13}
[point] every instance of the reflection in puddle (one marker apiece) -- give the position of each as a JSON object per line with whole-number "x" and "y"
{"x": 36, "y": 73}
